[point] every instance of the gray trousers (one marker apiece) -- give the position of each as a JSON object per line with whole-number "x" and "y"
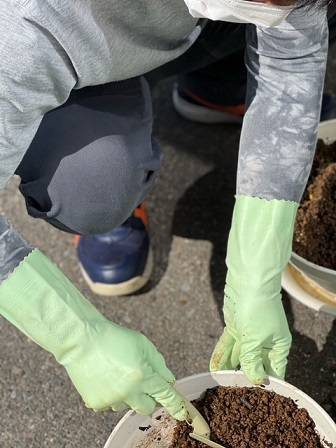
{"x": 93, "y": 160}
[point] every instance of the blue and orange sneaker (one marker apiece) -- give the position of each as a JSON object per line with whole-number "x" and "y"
{"x": 200, "y": 109}
{"x": 118, "y": 262}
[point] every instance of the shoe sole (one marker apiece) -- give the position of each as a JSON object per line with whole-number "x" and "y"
{"x": 121, "y": 289}
{"x": 201, "y": 114}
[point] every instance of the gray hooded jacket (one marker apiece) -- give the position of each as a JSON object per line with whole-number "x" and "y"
{"x": 49, "y": 47}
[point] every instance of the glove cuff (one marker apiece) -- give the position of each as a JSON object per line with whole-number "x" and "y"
{"x": 42, "y": 302}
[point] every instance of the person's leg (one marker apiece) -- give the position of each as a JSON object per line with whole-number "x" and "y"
{"x": 211, "y": 81}
{"x": 215, "y": 93}
{"x": 89, "y": 166}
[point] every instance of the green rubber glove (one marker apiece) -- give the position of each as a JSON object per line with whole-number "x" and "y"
{"x": 110, "y": 366}
{"x": 256, "y": 336}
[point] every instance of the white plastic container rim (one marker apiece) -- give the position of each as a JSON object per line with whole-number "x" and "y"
{"x": 298, "y": 293}
{"x": 126, "y": 434}
{"x": 324, "y": 276}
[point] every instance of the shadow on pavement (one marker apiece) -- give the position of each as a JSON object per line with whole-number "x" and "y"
{"x": 204, "y": 213}
{"x": 311, "y": 370}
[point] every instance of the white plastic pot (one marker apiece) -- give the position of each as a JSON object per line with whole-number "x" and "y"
{"x": 126, "y": 434}
{"x": 323, "y": 277}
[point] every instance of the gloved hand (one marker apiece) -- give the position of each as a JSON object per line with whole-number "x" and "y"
{"x": 256, "y": 336}
{"x": 111, "y": 367}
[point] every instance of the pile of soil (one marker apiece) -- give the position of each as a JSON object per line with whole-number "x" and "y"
{"x": 315, "y": 230}
{"x": 251, "y": 418}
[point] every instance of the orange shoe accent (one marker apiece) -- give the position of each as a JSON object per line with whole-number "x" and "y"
{"x": 141, "y": 213}
{"x": 238, "y": 111}
{"x": 76, "y": 240}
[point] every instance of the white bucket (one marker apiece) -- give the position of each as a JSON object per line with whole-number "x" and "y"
{"x": 323, "y": 278}
{"x": 126, "y": 434}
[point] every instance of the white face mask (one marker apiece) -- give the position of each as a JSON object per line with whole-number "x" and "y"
{"x": 239, "y": 11}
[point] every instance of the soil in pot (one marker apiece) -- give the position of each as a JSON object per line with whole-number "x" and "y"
{"x": 315, "y": 230}
{"x": 242, "y": 418}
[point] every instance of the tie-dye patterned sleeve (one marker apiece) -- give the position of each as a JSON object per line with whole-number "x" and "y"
{"x": 286, "y": 70}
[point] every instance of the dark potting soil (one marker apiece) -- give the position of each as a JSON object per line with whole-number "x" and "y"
{"x": 315, "y": 230}
{"x": 251, "y": 418}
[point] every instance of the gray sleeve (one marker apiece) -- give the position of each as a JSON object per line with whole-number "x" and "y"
{"x": 35, "y": 77}
{"x": 286, "y": 69}
{"x": 13, "y": 248}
